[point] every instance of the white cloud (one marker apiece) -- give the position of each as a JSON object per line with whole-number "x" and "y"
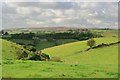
{"x": 23, "y": 10}
{"x": 39, "y": 14}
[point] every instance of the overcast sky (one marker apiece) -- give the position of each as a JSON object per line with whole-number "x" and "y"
{"x": 54, "y": 14}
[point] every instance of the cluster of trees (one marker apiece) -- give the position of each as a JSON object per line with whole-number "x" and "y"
{"x": 84, "y": 35}
{"x": 30, "y": 48}
{"x": 79, "y": 35}
{"x": 30, "y": 53}
{"x": 23, "y": 35}
{"x": 4, "y": 32}
{"x": 38, "y": 55}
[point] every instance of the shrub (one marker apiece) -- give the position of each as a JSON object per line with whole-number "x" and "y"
{"x": 30, "y": 48}
{"x": 21, "y": 43}
{"x": 24, "y": 54}
{"x": 91, "y": 42}
{"x": 39, "y": 56}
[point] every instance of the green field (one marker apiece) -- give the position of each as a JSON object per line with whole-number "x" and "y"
{"x": 90, "y": 64}
{"x": 71, "y": 48}
{"x": 77, "y": 63}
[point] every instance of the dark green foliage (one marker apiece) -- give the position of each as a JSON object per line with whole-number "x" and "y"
{"x": 91, "y": 42}
{"x": 30, "y": 48}
{"x": 2, "y": 31}
{"x": 6, "y": 33}
{"x": 22, "y": 35}
{"x": 39, "y": 56}
{"x": 34, "y": 57}
{"x": 102, "y": 45}
{"x": 72, "y": 34}
{"x": 23, "y": 55}
{"x": 20, "y": 43}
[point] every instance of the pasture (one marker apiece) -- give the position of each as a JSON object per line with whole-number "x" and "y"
{"x": 77, "y": 63}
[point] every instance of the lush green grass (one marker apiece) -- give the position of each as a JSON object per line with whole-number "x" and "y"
{"x": 71, "y": 48}
{"x": 105, "y": 55}
{"x": 108, "y": 33}
{"x": 101, "y": 62}
{"x": 10, "y": 50}
{"x": 37, "y": 69}
{"x": 95, "y": 63}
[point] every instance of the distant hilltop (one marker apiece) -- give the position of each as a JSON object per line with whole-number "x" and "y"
{"x": 54, "y": 28}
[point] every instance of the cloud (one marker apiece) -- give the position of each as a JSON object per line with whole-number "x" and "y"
{"x": 40, "y": 14}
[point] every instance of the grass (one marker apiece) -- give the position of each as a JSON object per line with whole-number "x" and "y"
{"x": 10, "y": 50}
{"x": 68, "y": 49}
{"x": 107, "y": 55}
{"x": 36, "y": 69}
{"x": 95, "y": 63}
{"x": 89, "y": 64}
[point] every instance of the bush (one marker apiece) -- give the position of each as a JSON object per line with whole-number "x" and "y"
{"x": 91, "y": 42}
{"x": 24, "y": 54}
{"x": 21, "y": 43}
{"x": 30, "y": 48}
{"x": 39, "y": 56}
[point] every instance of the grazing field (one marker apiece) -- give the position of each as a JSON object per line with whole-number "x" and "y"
{"x": 75, "y": 47}
{"x": 76, "y": 62}
{"x": 90, "y": 64}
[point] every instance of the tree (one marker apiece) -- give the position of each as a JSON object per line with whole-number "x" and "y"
{"x": 2, "y": 31}
{"x": 91, "y": 42}
{"x": 6, "y": 33}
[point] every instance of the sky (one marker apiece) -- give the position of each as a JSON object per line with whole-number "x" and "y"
{"x": 59, "y": 14}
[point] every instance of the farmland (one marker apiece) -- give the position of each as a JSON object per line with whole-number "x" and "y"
{"x": 76, "y": 61}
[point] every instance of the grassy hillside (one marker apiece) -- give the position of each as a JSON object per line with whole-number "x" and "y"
{"x": 11, "y": 50}
{"x": 105, "y": 55}
{"x": 94, "y": 63}
{"x": 75, "y": 47}
{"x": 109, "y": 36}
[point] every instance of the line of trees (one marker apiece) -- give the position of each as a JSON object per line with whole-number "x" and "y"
{"x": 23, "y": 35}
{"x": 84, "y": 35}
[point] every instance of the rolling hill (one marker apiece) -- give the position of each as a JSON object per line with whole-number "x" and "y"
{"x": 11, "y": 50}
{"x": 77, "y": 63}
{"x": 75, "y": 47}
{"x": 98, "y": 63}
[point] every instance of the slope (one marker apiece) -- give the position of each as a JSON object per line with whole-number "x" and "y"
{"x": 66, "y": 50}
{"x": 98, "y": 63}
{"x": 10, "y": 50}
